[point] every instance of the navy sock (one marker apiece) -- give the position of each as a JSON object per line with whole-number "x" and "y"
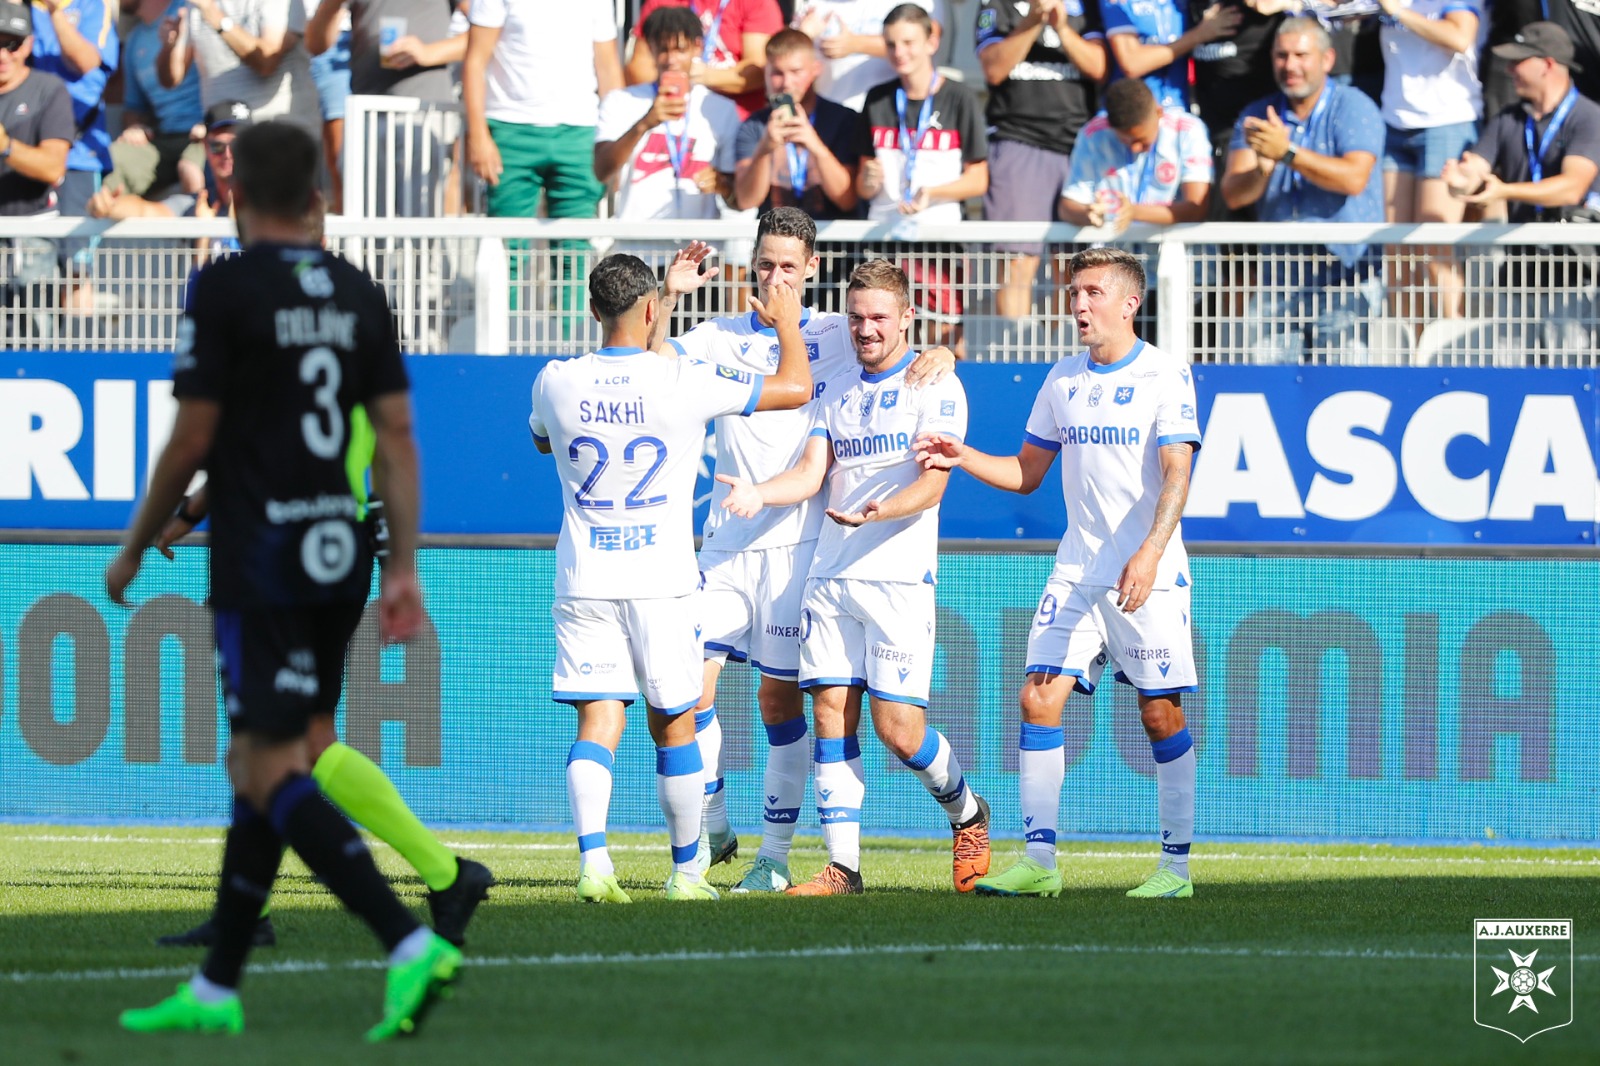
{"x": 328, "y": 844}
{"x": 250, "y": 858}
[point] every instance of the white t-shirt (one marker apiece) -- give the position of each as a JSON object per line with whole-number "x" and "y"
{"x": 647, "y": 185}
{"x": 287, "y": 93}
{"x": 1426, "y": 85}
{"x": 767, "y": 444}
{"x": 626, "y": 428}
{"x": 1110, "y": 423}
{"x": 542, "y": 70}
{"x": 870, "y": 422}
{"x": 846, "y": 80}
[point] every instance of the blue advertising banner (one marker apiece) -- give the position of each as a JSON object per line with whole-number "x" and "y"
{"x": 1313, "y": 455}
{"x": 1329, "y": 707}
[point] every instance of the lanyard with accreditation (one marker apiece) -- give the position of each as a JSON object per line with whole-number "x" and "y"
{"x": 910, "y": 145}
{"x": 1536, "y": 158}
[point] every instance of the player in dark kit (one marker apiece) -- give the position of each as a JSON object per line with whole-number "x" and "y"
{"x": 277, "y": 347}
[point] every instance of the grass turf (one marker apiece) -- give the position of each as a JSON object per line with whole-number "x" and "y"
{"x": 1287, "y": 953}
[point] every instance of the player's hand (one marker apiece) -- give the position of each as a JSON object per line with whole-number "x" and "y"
{"x": 868, "y": 513}
{"x": 685, "y": 273}
{"x": 742, "y": 499}
{"x": 930, "y": 367}
{"x": 1138, "y": 577}
{"x": 120, "y": 574}
{"x": 782, "y": 307}
{"x": 483, "y": 155}
{"x": 399, "y": 606}
{"x": 175, "y": 529}
{"x": 936, "y": 451}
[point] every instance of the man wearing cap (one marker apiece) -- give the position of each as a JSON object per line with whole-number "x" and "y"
{"x": 1562, "y": 172}
{"x": 36, "y": 128}
{"x": 222, "y": 120}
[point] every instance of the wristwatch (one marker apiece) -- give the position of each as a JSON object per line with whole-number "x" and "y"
{"x": 224, "y": 24}
{"x": 1288, "y": 154}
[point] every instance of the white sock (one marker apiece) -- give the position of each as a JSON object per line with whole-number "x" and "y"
{"x": 1175, "y": 772}
{"x": 937, "y": 767}
{"x": 1041, "y": 761}
{"x": 708, "y": 734}
{"x": 412, "y": 946}
{"x": 680, "y": 784}
{"x": 209, "y": 991}
{"x": 589, "y": 793}
{"x": 840, "y": 790}
{"x": 784, "y": 785}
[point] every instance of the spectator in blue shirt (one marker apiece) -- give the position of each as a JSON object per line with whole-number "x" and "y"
{"x": 76, "y": 40}
{"x": 1309, "y": 153}
{"x": 1149, "y": 39}
{"x": 157, "y": 148}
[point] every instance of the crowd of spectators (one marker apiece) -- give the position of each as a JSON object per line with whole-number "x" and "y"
{"x": 1100, "y": 113}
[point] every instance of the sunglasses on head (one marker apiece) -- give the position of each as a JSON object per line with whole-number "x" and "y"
{"x": 12, "y": 44}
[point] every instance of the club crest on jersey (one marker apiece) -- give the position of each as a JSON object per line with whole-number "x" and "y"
{"x": 813, "y": 352}
{"x": 1124, "y": 394}
{"x": 1094, "y": 396}
{"x": 772, "y": 356}
{"x": 867, "y": 401}
{"x": 314, "y": 281}
{"x": 891, "y": 397}
{"x": 731, "y": 374}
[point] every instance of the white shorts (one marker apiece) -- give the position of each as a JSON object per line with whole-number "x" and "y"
{"x": 615, "y": 649}
{"x": 876, "y": 635}
{"x": 750, "y": 606}
{"x": 1078, "y": 626}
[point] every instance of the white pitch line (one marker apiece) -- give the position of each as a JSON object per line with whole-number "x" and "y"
{"x": 1200, "y": 856}
{"x": 844, "y": 951}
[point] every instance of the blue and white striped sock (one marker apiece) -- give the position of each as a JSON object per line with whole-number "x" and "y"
{"x": 680, "y": 785}
{"x": 785, "y": 787}
{"x": 937, "y": 767}
{"x": 840, "y": 790}
{"x": 708, "y": 735}
{"x": 1042, "y": 767}
{"x": 589, "y": 792}
{"x": 1175, "y": 776}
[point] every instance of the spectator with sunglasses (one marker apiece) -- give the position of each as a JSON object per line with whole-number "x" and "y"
{"x": 223, "y": 121}
{"x": 36, "y": 127}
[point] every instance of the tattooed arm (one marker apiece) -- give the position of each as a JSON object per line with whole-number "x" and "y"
{"x": 1140, "y": 574}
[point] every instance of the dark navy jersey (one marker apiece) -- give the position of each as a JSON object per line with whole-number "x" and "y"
{"x": 288, "y": 339}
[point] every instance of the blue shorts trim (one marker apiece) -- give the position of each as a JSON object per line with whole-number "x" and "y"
{"x": 670, "y": 712}
{"x": 878, "y": 693}
{"x": 776, "y": 671}
{"x": 734, "y": 654}
{"x": 585, "y": 697}
{"x": 1164, "y": 691}
{"x": 829, "y": 682}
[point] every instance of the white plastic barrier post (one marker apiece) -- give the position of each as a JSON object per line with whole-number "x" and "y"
{"x": 1174, "y": 301}
{"x": 492, "y": 307}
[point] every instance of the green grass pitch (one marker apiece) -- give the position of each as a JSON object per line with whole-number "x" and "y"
{"x": 1287, "y": 954}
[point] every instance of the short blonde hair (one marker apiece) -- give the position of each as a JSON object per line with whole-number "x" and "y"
{"x": 882, "y": 275}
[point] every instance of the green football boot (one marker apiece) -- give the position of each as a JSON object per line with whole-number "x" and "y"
{"x": 413, "y": 988}
{"x": 181, "y": 1012}
{"x": 689, "y": 886}
{"x": 1027, "y": 877}
{"x": 1163, "y": 884}
{"x": 763, "y": 875}
{"x": 595, "y": 888}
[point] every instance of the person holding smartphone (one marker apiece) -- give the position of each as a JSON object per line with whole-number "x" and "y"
{"x": 669, "y": 145}
{"x": 799, "y": 150}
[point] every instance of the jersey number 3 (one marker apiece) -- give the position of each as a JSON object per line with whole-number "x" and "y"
{"x": 323, "y": 428}
{"x": 635, "y": 498}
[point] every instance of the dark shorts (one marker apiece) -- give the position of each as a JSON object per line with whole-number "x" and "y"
{"x": 1025, "y": 185}
{"x": 281, "y": 666}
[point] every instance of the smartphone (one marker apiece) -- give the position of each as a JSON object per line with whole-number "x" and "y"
{"x": 783, "y": 100}
{"x": 673, "y": 83}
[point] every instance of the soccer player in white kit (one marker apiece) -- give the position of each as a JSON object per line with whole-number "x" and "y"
{"x": 867, "y": 623}
{"x": 755, "y": 569}
{"x": 1122, "y": 414}
{"x": 626, "y": 426}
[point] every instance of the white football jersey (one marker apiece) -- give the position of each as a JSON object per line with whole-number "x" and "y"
{"x": 870, "y": 422}
{"x": 1109, "y": 424}
{"x": 763, "y": 446}
{"x": 626, "y": 428}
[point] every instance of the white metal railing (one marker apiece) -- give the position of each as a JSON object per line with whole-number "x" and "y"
{"x": 403, "y": 158}
{"x": 1231, "y": 292}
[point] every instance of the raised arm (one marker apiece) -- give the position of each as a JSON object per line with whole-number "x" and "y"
{"x": 921, "y": 494}
{"x": 790, "y": 385}
{"x": 1139, "y": 575}
{"x": 800, "y": 482}
{"x": 394, "y": 466}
